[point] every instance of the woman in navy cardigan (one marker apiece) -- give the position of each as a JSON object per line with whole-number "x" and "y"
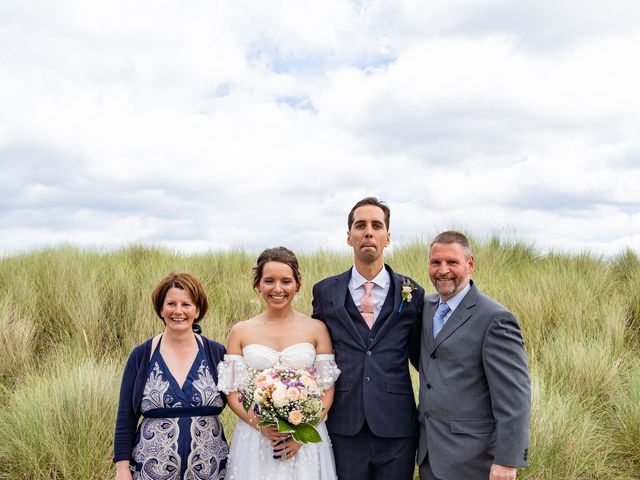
{"x": 171, "y": 381}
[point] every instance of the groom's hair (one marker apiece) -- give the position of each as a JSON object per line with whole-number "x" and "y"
{"x": 376, "y": 203}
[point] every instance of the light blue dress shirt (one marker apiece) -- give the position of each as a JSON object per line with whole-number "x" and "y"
{"x": 454, "y": 301}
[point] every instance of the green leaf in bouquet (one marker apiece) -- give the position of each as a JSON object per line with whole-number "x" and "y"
{"x": 315, "y": 421}
{"x": 305, "y": 433}
{"x": 265, "y": 423}
{"x": 284, "y": 426}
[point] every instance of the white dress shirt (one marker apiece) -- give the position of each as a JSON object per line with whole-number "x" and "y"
{"x": 381, "y": 283}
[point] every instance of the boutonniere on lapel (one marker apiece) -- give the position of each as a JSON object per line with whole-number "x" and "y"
{"x": 407, "y": 289}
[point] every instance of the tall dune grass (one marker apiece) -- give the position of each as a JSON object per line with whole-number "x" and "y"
{"x": 70, "y": 317}
{"x": 17, "y": 342}
{"x": 58, "y": 423}
{"x": 625, "y": 422}
{"x": 567, "y": 439}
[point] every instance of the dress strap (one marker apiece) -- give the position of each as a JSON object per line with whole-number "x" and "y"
{"x": 155, "y": 345}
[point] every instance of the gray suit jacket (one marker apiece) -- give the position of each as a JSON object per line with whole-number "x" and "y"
{"x": 475, "y": 392}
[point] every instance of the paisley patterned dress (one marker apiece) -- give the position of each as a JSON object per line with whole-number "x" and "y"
{"x": 181, "y": 436}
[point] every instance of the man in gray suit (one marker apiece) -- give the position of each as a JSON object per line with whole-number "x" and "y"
{"x": 475, "y": 392}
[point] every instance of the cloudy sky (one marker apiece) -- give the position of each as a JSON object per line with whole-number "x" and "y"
{"x": 208, "y": 125}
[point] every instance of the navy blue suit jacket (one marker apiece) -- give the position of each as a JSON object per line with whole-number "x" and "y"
{"x": 375, "y": 385}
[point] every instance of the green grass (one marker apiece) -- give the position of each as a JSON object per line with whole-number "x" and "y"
{"x": 69, "y": 318}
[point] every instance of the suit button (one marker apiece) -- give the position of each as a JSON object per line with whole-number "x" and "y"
{"x": 370, "y": 340}
{"x": 368, "y": 353}
{"x": 433, "y": 355}
{"x": 428, "y": 386}
{"x": 367, "y": 379}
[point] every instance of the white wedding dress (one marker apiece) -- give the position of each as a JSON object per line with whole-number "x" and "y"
{"x": 251, "y": 454}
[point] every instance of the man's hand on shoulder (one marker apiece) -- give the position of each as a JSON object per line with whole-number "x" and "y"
{"x": 500, "y": 472}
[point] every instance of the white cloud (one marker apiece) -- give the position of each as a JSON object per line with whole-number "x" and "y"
{"x": 222, "y": 125}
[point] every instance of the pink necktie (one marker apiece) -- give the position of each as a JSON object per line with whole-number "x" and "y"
{"x": 366, "y": 305}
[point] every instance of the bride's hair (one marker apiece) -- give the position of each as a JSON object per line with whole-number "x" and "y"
{"x": 276, "y": 254}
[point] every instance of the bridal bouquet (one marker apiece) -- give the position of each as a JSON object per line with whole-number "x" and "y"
{"x": 287, "y": 398}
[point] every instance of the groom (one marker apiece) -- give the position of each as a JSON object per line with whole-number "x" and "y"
{"x": 370, "y": 311}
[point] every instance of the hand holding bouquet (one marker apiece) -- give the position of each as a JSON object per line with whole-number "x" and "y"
{"x": 287, "y": 398}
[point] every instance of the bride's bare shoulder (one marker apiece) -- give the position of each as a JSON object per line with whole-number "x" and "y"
{"x": 315, "y": 325}
{"x": 244, "y": 325}
{"x": 240, "y": 333}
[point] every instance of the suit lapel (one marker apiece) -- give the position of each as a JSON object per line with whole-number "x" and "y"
{"x": 338, "y": 296}
{"x": 458, "y": 317}
{"x": 430, "y": 307}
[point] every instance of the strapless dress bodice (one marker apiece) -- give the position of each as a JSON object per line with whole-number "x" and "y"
{"x": 298, "y": 355}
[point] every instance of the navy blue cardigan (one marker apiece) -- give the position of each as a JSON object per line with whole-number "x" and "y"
{"x": 132, "y": 388}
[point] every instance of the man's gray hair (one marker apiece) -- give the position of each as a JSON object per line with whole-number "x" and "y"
{"x": 451, "y": 236}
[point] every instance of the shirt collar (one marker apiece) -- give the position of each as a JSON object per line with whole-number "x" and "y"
{"x": 454, "y": 301}
{"x": 381, "y": 279}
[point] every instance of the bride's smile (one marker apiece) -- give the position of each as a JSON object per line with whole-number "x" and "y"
{"x": 278, "y": 285}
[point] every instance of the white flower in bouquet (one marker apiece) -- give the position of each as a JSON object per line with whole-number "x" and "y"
{"x": 293, "y": 394}
{"x": 279, "y": 395}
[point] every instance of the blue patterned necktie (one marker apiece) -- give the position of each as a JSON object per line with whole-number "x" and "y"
{"x": 438, "y": 318}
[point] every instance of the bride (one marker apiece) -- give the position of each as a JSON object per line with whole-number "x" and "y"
{"x": 279, "y": 335}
